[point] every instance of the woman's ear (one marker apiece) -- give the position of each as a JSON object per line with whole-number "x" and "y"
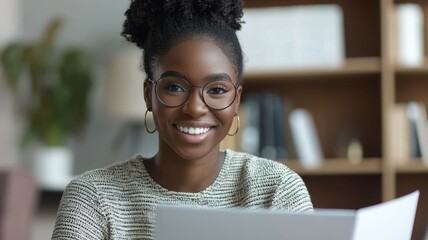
{"x": 148, "y": 93}
{"x": 238, "y": 98}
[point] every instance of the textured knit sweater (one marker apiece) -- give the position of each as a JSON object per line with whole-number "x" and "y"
{"x": 119, "y": 202}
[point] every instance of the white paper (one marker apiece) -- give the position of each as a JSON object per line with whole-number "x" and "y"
{"x": 392, "y": 220}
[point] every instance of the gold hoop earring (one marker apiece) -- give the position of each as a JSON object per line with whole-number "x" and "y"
{"x": 145, "y": 123}
{"x": 238, "y": 123}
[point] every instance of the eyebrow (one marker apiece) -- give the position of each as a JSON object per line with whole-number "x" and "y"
{"x": 173, "y": 74}
{"x": 209, "y": 78}
{"x": 219, "y": 76}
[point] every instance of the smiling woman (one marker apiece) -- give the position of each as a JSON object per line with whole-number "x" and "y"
{"x": 193, "y": 62}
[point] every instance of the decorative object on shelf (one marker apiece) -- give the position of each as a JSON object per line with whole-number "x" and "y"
{"x": 410, "y": 30}
{"x": 302, "y": 36}
{"x": 355, "y": 151}
{"x": 52, "y": 89}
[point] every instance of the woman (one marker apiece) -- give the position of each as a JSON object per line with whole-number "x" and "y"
{"x": 193, "y": 63}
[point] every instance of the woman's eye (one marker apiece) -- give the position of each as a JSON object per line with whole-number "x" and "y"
{"x": 217, "y": 90}
{"x": 174, "y": 88}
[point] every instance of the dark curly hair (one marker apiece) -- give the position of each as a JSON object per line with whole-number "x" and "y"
{"x": 158, "y": 25}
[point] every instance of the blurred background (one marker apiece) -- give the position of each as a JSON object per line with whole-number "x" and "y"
{"x": 334, "y": 89}
{"x": 92, "y": 30}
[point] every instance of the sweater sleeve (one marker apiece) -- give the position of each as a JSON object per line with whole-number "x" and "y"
{"x": 79, "y": 214}
{"x": 292, "y": 194}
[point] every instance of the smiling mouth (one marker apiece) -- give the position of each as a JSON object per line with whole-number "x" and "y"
{"x": 192, "y": 130}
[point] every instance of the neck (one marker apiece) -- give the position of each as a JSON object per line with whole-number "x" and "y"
{"x": 179, "y": 174}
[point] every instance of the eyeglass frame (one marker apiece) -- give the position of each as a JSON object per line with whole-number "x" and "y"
{"x": 201, "y": 94}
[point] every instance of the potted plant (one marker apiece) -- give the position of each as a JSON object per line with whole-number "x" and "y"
{"x": 51, "y": 89}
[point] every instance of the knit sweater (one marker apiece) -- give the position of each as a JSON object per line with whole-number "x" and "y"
{"x": 119, "y": 202}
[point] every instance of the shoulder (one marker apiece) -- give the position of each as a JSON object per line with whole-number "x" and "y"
{"x": 123, "y": 170}
{"x": 285, "y": 188}
{"x": 116, "y": 175}
{"x": 257, "y": 167}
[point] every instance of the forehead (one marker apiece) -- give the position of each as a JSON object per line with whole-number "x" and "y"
{"x": 196, "y": 58}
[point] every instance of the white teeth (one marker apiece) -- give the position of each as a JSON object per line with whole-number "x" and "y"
{"x": 193, "y": 131}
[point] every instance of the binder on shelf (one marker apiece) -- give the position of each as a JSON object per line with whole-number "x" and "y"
{"x": 267, "y": 127}
{"x": 279, "y": 123}
{"x": 305, "y": 138}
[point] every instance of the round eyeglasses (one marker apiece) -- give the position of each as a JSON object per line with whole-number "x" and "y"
{"x": 174, "y": 91}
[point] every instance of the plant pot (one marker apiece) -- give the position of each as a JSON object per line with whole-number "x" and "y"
{"x": 53, "y": 167}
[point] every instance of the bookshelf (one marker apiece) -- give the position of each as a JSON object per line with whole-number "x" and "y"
{"x": 358, "y": 95}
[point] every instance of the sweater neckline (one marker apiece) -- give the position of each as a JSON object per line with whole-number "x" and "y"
{"x": 222, "y": 174}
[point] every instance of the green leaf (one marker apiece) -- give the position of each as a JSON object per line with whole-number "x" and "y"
{"x": 51, "y": 32}
{"x": 13, "y": 62}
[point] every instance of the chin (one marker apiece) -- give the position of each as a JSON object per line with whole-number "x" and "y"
{"x": 193, "y": 153}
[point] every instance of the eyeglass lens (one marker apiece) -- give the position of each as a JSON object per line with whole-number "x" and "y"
{"x": 174, "y": 91}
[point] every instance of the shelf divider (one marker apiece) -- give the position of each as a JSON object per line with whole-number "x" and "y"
{"x": 351, "y": 66}
{"x": 337, "y": 167}
{"x": 412, "y": 166}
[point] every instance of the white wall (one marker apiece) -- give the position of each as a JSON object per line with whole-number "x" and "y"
{"x": 95, "y": 25}
{"x": 10, "y": 28}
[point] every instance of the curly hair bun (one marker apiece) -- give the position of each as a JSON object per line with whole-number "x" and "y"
{"x": 142, "y": 15}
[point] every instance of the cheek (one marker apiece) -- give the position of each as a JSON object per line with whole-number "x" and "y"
{"x": 160, "y": 114}
{"x": 227, "y": 116}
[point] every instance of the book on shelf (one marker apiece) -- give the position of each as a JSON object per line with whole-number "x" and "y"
{"x": 417, "y": 115}
{"x": 400, "y": 134}
{"x": 275, "y": 131}
{"x": 305, "y": 138}
{"x": 409, "y": 132}
{"x": 250, "y": 138}
{"x": 264, "y": 133}
{"x": 272, "y": 137}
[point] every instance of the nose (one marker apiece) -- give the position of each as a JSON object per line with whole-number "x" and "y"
{"x": 195, "y": 106}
